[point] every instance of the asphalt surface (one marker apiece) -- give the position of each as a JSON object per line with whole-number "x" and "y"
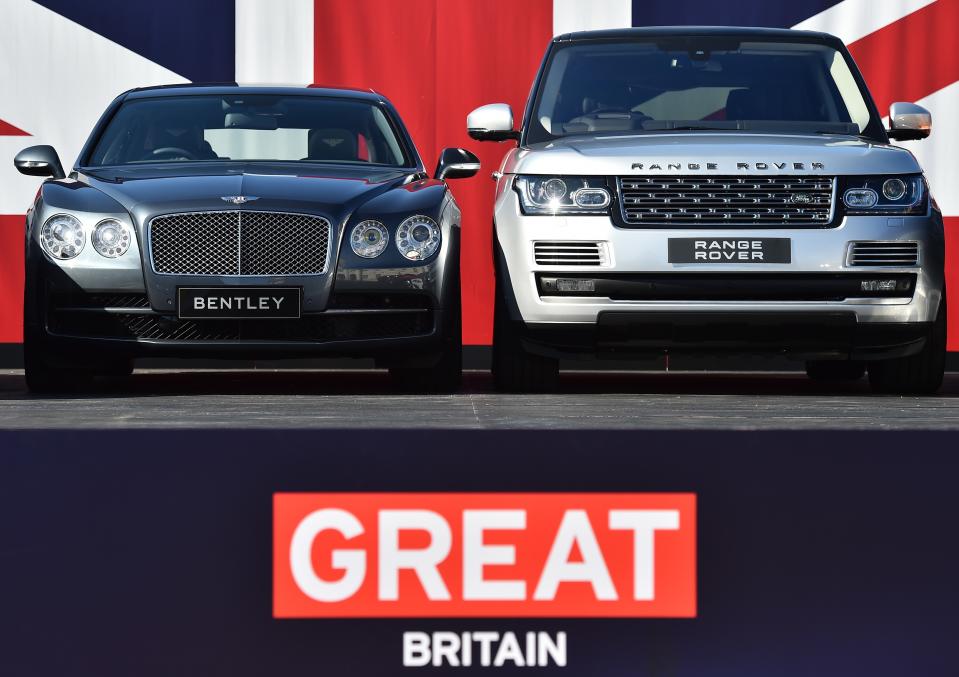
{"x": 347, "y": 399}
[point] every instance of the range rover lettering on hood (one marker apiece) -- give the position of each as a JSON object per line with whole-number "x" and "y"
{"x": 714, "y": 166}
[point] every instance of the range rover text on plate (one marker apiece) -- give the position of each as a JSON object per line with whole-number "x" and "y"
{"x": 713, "y": 189}
{"x": 227, "y": 221}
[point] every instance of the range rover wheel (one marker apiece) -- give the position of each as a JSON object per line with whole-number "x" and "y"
{"x": 446, "y": 375}
{"x": 515, "y": 369}
{"x": 917, "y": 374}
{"x": 835, "y": 370}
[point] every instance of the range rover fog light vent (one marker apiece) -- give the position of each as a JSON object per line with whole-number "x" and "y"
{"x": 894, "y": 253}
{"x": 571, "y": 253}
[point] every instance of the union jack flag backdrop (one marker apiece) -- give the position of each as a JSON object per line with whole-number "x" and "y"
{"x": 62, "y": 61}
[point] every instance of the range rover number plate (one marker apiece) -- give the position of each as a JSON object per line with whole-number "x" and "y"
{"x": 730, "y": 250}
{"x": 238, "y": 303}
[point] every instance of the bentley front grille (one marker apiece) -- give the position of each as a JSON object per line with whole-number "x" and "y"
{"x": 570, "y": 253}
{"x": 239, "y": 243}
{"x": 727, "y": 200}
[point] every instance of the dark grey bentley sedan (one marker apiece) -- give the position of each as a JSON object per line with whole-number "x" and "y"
{"x": 243, "y": 222}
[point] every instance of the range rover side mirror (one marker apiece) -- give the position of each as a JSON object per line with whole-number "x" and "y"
{"x": 39, "y": 161}
{"x": 456, "y": 163}
{"x": 909, "y": 122}
{"x": 492, "y": 122}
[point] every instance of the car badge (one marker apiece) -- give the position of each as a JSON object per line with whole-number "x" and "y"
{"x": 239, "y": 199}
{"x": 800, "y": 198}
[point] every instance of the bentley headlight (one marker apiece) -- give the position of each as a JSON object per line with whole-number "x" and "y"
{"x": 111, "y": 238}
{"x": 418, "y": 238}
{"x": 369, "y": 239}
{"x": 62, "y": 236}
{"x": 885, "y": 195}
{"x": 562, "y": 195}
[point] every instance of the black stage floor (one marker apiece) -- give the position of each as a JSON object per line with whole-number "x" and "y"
{"x": 365, "y": 399}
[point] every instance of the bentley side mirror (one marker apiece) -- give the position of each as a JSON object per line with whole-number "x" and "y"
{"x": 909, "y": 122}
{"x": 492, "y": 122}
{"x": 39, "y": 161}
{"x": 456, "y": 163}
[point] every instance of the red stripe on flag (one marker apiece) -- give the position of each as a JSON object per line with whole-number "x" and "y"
{"x": 952, "y": 280}
{"x": 11, "y": 279}
{"x": 437, "y": 60}
{"x": 899, "y": 61}
{"x": 6, "y": 129}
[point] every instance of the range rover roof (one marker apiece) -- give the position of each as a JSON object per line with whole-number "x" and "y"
{"x": 229, "y": 88}
{"x": 652, "y": 32}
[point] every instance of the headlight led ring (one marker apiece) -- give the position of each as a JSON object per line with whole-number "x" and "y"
{"x": 62, "y": 236}
{"x": 111, "y": 238}
{"x": 369, "y": 239}
{"x": 418, "y": 238}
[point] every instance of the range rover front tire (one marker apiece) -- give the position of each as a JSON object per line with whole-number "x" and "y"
{"x": 916, "y": 374}
{"x": 515, "y": 369}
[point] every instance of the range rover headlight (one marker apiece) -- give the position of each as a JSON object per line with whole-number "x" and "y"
{"x": 418, "y": 238}
{"x": 369, "y": 239}
{"x": 62, "y": 236}
{"x": 111, "y": 238}
{"x": 884, "y": 195}
{"x": 562, "y": 195}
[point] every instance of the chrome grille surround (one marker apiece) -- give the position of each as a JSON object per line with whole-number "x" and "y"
{"x": 804, "y": 201}
{"x": 893, "y": 253}
{"x": 239, "y": 243}
{"x": 571, "y": 253}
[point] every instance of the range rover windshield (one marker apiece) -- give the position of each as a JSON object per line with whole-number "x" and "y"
{"x": 248, "y": 127}
{"x": 593, "y": 88}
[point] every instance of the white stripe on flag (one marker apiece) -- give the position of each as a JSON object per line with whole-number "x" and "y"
{"x": 576, "y": 15}
{"x": 852, "y": 20}
{"x": 56, "y": 78}
{"x": 274, "y": 42}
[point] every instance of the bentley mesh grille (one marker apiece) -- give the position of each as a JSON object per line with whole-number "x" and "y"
{"x": 239, "y": 243}
{"x": 884, "y": 253}
{"x": 569, "y": 253}
{"x": 727, "y": 200}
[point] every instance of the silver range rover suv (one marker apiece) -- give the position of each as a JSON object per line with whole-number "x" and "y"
{"x": 712, "y": 190}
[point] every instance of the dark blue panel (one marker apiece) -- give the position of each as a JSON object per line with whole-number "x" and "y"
{"x": 193, "y": 38}
{"x": 769, "y": 13}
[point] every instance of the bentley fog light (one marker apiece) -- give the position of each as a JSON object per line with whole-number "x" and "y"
{"x": 62, "y": 236}
{"x": 369, "y": 239}
{"x": 111, "y": 238}
{"x": 418, "y": 238}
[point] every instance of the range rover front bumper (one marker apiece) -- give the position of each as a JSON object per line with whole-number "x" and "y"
{"x": 635, "y": 300}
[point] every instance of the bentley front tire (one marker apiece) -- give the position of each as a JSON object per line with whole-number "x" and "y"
{"x": 446, "y": 375}
{"x": 919, "y": 374}
{"x": 833, "y": 371}
{"x": 515, "y": 369}
{"x": 44, "y": 378}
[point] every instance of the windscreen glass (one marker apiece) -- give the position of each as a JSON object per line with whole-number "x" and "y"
{"x": 208, "y": 128}
{"x": 636, "y": 87}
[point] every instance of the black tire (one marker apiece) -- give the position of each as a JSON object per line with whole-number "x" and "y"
{"x": 831, "y": 371}
{"x": 515, "y": 369}
{"x": 919, "y": 374}
{"x": 446, "y": 375}
{"x": 44, "y": 378}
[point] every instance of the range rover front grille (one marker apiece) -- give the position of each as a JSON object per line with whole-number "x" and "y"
{"x": 726, "y": 200}
{"x": 239, "y": 243}
{"x": 570, "y": 253}
{"x": 879, "y": 253}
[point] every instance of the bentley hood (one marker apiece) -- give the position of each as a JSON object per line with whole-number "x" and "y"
{"x": 711, "y": 153}
{"x": 332, "y": 192}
